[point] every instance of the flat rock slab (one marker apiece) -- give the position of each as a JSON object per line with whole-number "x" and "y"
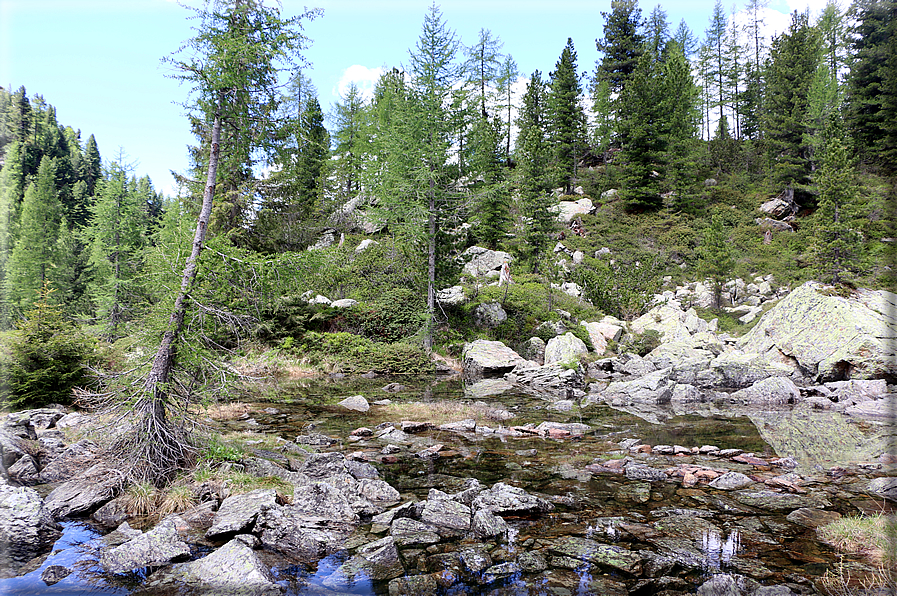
{"x": 604, "y": 555}
{"x": 239, "y": 512}
{"x": 504, "y": 499}
{"x": 84, "y": 493}
{"x": 813, "y": 518}
{"x": 774, "y": 501}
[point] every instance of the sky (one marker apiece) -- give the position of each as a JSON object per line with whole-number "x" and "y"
{"x": 99, "y": 61}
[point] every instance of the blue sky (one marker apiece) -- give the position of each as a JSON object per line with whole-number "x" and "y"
{"x": 98, "y": 61}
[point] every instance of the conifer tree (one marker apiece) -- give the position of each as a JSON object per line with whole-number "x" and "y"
{"x": 838, "y": 243}
{"x": 507, "y": 76}
{"x": 716, "y": 257}
{"x": 567, "y": 120}
{"x": 657, "y": 30}
{"x": 482, "y": 68}
{"x": 92, "y": 165}
{"x": 622, "y": 44}
{"x": 349, "y": 122}
{"x": 793, "y": 59}
{"x": 35, "y": 254}
{"x": 531, "y": 154}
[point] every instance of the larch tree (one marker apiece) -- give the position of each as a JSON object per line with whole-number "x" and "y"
{"x": 232, "y": 66}
{"x": 507, "y": 76}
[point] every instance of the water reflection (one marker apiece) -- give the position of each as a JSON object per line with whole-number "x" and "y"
{"x": 718, "y": 550}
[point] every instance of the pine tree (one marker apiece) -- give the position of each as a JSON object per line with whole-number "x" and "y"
{"x": 92, "y": 165}
{"x": 115, "y": 239}
{"x": 715, "y": 45}
{"x": 311, "y": 159}
{"x": 566, "y": 118}
{"x": 35, "y": 255}
{"x": 837, "y": 241}
{"x": 872, "y": 83}
{"x": 532, "y": 155}
{"x": 507, "y": 76}
{"x": 716, "y": 257}
{"x": 686, "y": 40}
{"x": 622, "y": 44}
{"x": 793, "y": 60}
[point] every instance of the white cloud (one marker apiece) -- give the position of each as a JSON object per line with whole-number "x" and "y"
{"x": 364, "y": 78}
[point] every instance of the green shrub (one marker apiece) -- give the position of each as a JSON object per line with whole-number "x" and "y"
{"x": 48, "y": 358}
{"x": 642, "y": 343}
{"x": 360, "y": 354}
{"x": 624, "y": 291}
{"x": 398, "y": 314}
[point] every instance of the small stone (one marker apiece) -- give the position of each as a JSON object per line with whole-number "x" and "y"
{"x": 356, "y": 402}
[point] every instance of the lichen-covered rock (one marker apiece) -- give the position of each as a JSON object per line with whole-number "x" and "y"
{"x": 604, "y": 555}
{"x": 239, "y": 512}
{"x": 449, "y": 518}
{"x": 308, "y": 536}
{"x": 833, "y": 337}
{"x": 737, "y": 370}
{"x": 564, "y": 348}
{"x": 486, "y": 524}
{"x": 771, "y": 391}
{"x": 26, "y": 528}
{"x": 409, "y": 532}
{"x": 160, "y": 546}
{"x": 452, "y": 296}
{"x": 85, "y": 492}
{"x": 356, "y": 402}
{"x": 504, "y": 499}
{"x": 731, "y": 481}
{"x": 484, "y": 358}
{"x": 377, "y": 561}
{"x": 568, "y": 210}
{"x": 480, "y": 261}
{"x": 489, "y": 315}
{"x": 232, "y": 569}
{"x": 653, "y": 388}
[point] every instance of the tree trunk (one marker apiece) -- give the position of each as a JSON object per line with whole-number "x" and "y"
{"x": 431, "y": 265}
{"x": 157, "y": 380}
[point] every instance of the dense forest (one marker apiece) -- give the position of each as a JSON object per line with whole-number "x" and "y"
{"x": 677, "y": 140}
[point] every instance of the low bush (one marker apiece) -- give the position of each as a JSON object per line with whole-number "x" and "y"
{"x": 360, "y": 354}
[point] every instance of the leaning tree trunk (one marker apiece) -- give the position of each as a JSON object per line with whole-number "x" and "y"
{"x": 161, "y": 446}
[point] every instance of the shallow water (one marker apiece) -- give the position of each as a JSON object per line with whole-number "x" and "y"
{"x": 763, "y": 546}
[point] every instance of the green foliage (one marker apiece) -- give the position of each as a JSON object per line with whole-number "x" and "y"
{"x": 716, "y": 259}
{"x": 396, "y": 315}
{"x": 642, "y": 343}
{"x": 217, "y": 451}
{"x": 49, "y": 357}
{"x": 621, "y": 290}
{"x": 360, "y": 354}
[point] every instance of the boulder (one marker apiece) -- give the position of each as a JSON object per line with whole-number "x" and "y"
{"x": 27, "y": 528}
{"x": 303, "y": 535}
{"x": 564, "y": 348}
{"x": 484, "y": 358}
{"x": 409, "y": 532}
{"x": 232, "y": 569}
{"x": 770, "y": 391}
{"x": 73, "y": 459}
{"x": 731, "y": 481}
{"x": 451, "y": 296}
{"x": 344, "y": 303}
{"x": 85, "y": 492}
{"x": 596, "y": 337}
{"x": 653, "y": 388}
{"x": 603, "y": 555}
{"x": 365, "y": 244}
{"x": 238, "y": 513}
{"x": 569, "y": 210}
{"x": 377, "y": 561}
{"x": 489, "y": 315}
{"x": 448, "y": 518}
{"x": 479, "y": 261}
{"x": 737, "y": 370}
{"x": 555, "y": 378}
{"x": 160, "y": 546}
{"x": 832, "y": 337}
{"x": 504, "y": 499}
{"x": 534, "y": 349}
{"x": 487, "y": 388}
{"x": 357, "y": 403}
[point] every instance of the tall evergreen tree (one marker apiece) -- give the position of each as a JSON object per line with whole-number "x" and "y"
{"x": 715, "y": 48}
{"x": 716, "y": 257}
{"x": 622, "y": 44}
{"x": 92, "y": 165}
{"x": 837, "y": 241}
{"x": 115, "y": 239}
{"x": 872, "y": 83}
{"x": 507, "y": 76}
{"x": 532, "y": 155}
{"x": 793, "y": 60}
{"x": 567, "y": 119}
{"x": 657, "y": 30}
{"x": 35, "y": 253}
{"x": 482, "y": 66}
{"x": 349, "y": 124}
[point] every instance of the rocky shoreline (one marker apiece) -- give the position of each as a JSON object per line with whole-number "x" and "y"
{"x": 669, "y": 519}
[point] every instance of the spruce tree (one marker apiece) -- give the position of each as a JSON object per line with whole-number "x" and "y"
{"x": 837, "y": 245}
{"x": 872, "y": 83}
{"x": 792, "y": 66}
{"x": 716, "y": 257}
{"x": 92, "y": 165}
{"x": 531, "y": 155}
{"x": 567, "y": 120}
{"x": 622, "y": 44}
{"x": 349, "y": 124}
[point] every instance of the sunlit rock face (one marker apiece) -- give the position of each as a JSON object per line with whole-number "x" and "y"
{"x": 831, "y": 337}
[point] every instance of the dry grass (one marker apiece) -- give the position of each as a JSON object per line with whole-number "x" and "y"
{"x": 224, "y": 410}
{"x": 872, "y": 537}
{"x": 140, "y": 499}
{"x": 261, "y": 362}
{"x": 176, "y": 499}
{"x": 869, "y": 536}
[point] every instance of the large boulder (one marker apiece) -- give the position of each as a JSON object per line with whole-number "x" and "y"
{"x": 238, "y": 512}
{"x": 479, "y": 261}
{"x": 832, "y": 337}
{"x": 771, "y": 391}
{"x": 378, "y": 561}
{"x": 736, "y": 370}
{"x": 504, "y": 499}
{"x": 85, "y": 492}
{"x": 160, "y": 546}
{"x": 27, "y": 528}
{"x": 564, "y": 348}
{"x": 569, "y": 210}
{"x": 232, "y": 569}
{"x": 484, "y": 358}
{"x": 489, "y": 315}
{"x": 653, "y": 388}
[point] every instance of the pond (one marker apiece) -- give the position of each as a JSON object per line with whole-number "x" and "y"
{"x": 690, "y": 532}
